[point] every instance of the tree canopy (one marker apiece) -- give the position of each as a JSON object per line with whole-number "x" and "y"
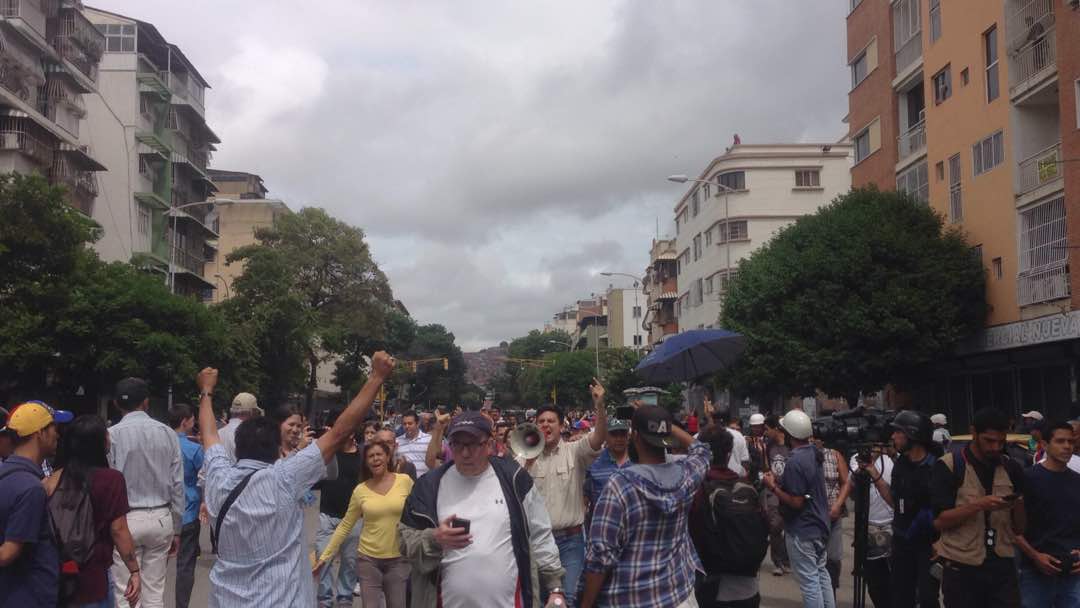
{"x": 858, "y": 295}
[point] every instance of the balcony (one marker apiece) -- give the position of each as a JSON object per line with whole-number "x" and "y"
{"x": 28, "y": 18}
{"x": 908, "y": 53}
{"x": 1043, "y": 285}
{"x": 912, "y": 141}
{"x": 78, "y": 41}
{"x": 151, "y": 79}
{"x": 81, "y": 186}
{"x": 16, "y": 134}
{"x": 1039, "y": 169}
{"x": 1033, "y": 63}
{"x": 187, "y": 260}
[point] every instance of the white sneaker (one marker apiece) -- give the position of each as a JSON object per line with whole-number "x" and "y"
{"x": 356, "y": 590}
{"x": 778, "y": 571}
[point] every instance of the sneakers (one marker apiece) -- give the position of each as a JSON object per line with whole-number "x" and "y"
{"x": 778, "y": 571}
{"x": 356, "y": 590}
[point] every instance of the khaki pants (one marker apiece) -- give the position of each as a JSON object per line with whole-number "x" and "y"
{"x": 152, "y": 532}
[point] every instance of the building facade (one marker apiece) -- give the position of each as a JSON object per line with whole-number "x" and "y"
{"x": 564, "y": 320}
{"x": 661, "y": 288}
{"x": 739, "y": 201}
{"x": 49, "y": 55}
{"x": 625, "y": 314}
{"x": 592, "y": 324}
{"x": 149, "y": 123}
{"x": 236, "y": 221}
{"x": 971, "y": 105}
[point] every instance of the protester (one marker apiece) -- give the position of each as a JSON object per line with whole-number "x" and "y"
{"x": 256, "y": 501}
{"x": 244, "y": 407}
{"x": 29, "y": 561}
{"x": 941, "y": 430}
{"x": 438, "y": 448}
{"x": 1032, "y": 424}
{"x": 639, "y": 550}
{"x": 500, "y": 448}
{"x": 756, "y": 447}
{"x": 147, "y": 453}
{"x": 776, "y": 455}
{"x": 293, "y": 435}
{"x": 333, "y": 501}
{"x": 379, "y": 499}
{"x": 370, "y": 428}
{"x": 730, "y": 531}
{"x": 413, "y": 445}
{"x": 877, "y": 573}
{"x": 476, "y": 531}
{"x": 837, "y": 489}
{"x": 805, "y": 508}
{"x": 398, "y": 464}
{"x": 1050, "y": 567}
{"x": 7, "y": 439}
{"x": 182, "y": 420}
{"x": 83, "y": 469}
{"x": 615, "y": 456}
{"x": 559, "y": 473}
{"x": 975, "y": 493}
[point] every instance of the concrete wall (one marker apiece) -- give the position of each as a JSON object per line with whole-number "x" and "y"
{"x": 873, "y": 98}
{"x": 1068, "y": 56}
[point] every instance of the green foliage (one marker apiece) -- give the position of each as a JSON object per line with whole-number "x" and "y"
{"x": 860, "y": 294}
{"x": 431, "y": 385}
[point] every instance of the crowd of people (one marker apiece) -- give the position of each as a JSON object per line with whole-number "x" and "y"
{"x": 451, "y": 509}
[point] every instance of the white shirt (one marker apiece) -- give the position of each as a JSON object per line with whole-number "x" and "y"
{"x": 942, "y": 436}
{"x": 147, "y": 452}
{"x": 484, "y": 573}
{"x": 880, "y": 511}
{"x": 415, "y": 450}
{"x": 739, "y": 453}
{"x": 227, "y": 437}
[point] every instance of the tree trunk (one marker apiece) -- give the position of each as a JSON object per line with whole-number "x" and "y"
{"x": 313, "y": 382}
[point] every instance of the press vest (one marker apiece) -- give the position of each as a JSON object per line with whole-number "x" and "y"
{"x": 966, "y": 543}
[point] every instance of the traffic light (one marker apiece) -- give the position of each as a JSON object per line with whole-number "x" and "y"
{"x": 445, "y": 364}
{"x": 412, "y": 365}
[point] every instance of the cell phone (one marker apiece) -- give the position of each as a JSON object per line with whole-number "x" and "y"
{"x": 1011, "y": 497}
{"x": 460, "y": 522}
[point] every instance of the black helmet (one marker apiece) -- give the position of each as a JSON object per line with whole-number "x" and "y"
{"x": 915, "y": 425}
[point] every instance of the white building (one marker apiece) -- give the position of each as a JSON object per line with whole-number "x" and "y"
{"x": 625, "y": 306}
{"x": 738, "y": 203}
{"x": 564, "y": 320}
{"x": 149, "y": 125}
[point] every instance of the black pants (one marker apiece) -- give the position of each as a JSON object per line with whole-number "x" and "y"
{"x": 911, "y": 575}
{"x": 992, "y": 585}
{"x": 185, "y": 563}
{"x": 705, "y": 593}
{"x": 878, "y": 576}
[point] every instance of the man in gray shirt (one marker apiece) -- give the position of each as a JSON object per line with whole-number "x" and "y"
{"x": 147, "y": 452}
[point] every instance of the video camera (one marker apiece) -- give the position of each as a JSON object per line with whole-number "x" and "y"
{"x": 855, "y": 430}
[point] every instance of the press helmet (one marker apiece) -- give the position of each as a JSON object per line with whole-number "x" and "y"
{"x": 915, "y": 425}
{"x": 756, "y": 419}
{"x": 797, "y": 424}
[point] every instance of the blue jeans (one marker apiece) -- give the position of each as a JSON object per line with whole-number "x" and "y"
{"x": 346, "y": 575}
{"x": 808, "y": 563}
{"x": 572, "y": 555}
{"x": 1037, "y": 589}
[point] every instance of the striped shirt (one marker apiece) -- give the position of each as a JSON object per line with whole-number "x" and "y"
{"x": 147, "y": 452}
{"x": 261, "y": 557}
{"x": 415, "y": 450}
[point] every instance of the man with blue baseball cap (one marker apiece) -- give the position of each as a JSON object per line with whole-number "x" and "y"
{"x": 29, "y": 562}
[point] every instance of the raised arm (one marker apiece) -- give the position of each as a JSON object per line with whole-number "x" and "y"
{"x": 382, "y": 365}
{"x": 206, "y": 381}
{"x": 434, "y": 448}
{"x": 599, "y": 434}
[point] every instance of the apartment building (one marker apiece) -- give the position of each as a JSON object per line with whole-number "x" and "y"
{"x": 564, "y": 320}
{"x": 49, "y": 56}
{"x": 736, "y": 205}
{"x": 592, "y": 324}
{"x": 660, "y": 286}
{"x": 150, "y": 126}
{"x": 971, "y": 105}
{"x": 625, "y": 314}
{"x": 237, "y": 184}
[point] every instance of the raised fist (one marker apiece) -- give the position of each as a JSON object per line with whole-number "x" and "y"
{"x": 596, "y": 390}
{"x": 207, "y": 379}
{"x": 382, "y": 365}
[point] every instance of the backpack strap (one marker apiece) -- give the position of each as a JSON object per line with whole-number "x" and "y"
{"x": 229, "y": 500}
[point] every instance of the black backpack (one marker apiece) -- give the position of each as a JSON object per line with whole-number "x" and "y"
{"x": 71, "y": 516}
{"x": 736, "y": 530}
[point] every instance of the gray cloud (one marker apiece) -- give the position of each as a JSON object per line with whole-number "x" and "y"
{"x": 499, "y": 154}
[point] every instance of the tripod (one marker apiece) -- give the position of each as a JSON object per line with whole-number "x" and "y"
{"x": 862, "y": 482}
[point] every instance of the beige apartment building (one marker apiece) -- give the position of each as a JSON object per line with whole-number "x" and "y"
{"x": 661, "y": 289}
{"x": 971, "y": 106}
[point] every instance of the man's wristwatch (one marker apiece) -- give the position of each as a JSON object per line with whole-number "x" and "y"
{"x": 557, "y": 590}
{"x": 207, "y": 394}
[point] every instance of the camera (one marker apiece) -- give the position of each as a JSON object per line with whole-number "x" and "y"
{"x": 854, "y": 429}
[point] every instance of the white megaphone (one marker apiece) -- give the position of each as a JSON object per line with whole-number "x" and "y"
{"x": 527, "y": 441}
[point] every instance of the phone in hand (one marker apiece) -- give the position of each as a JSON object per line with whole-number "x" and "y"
{"x": 1011, "y": 497}
{"x": 460, "y": 522}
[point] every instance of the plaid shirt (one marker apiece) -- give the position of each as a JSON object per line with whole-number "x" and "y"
{"x": 639, "y": 533}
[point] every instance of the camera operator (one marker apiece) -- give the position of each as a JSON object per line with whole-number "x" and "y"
{"x": 908, "y": 493}
{"x": 1050, "y": 570}
{"x": 975, "y": 492}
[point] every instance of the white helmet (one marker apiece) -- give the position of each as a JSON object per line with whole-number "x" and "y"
{"x": 939, "y": 419}
{"x": 756, "y": 419}
{"x": 797, "y": 424}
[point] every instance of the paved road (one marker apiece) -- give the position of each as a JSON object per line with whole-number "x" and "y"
{"x": 776, "y": 591}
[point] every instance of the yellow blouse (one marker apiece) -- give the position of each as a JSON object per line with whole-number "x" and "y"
{"x": 379, "y": 537}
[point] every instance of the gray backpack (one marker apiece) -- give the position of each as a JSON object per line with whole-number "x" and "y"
{"x": 72, "y": 518}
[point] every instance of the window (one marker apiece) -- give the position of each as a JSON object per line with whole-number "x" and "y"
{"x": 119, "y": 38}
{"x": 859, "y": 69}
{"x": 855, "y": 4}
{"x": 678, "y": 307}
{"x": 935, "y": 20}
{"x": 965, "y": 77}
{"x": 976, "y": 252}
{"x": 735, "y": 180}
{"x": 724, "y": 280}
{"x": 808, "y": 178}
{"x": 939, "y": 170}
{"x": 736, "y": 231}
{"x": 637, "y": 312}
{"x": 915, "y": 181}
{"x": 696, "y": 293}
{"x": 144, "y": 221}
{"x": 146, "y": 107}
{"x": 956, "y": 207}
{"x": 707, "y": 188}
{"x": 1043, "y": 253}
{"x": 637, "y": 339}
{"x": 709, "y": 285}
{"x": 697, "y": 247}
{"x": 867, "y": 141}
{"x": 995, "y": 265}
{"x": 990, "y": 50}
{"x": 695, "y": 203}
{"x": 942, "y": 85}
{"x": 988, "y": 153}
{"x": 708, "y": 237}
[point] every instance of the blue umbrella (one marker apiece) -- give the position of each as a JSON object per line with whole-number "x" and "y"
{"x": 691, "y": 355}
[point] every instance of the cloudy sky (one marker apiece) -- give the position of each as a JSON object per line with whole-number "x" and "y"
{"x": 500, "y": 154}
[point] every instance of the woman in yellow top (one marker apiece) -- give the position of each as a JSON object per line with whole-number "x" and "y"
{"x": 379, "y": 500}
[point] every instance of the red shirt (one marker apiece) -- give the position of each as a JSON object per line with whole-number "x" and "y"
{"x": 691, "y": 424}
{"x": 108, "y": 496}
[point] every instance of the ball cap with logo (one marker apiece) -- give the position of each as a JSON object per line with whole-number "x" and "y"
{"x": 131, "y": 392}
{"x": 32, "y": 416}
{"x": 472, "y": 423}
{"x": 654, "y": 423}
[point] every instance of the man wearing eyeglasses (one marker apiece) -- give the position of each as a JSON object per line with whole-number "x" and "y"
{"x": 476, "y": 531}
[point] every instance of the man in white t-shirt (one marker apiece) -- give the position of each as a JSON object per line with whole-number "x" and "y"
{"x": 876, "y": 569}
{"x": 469, "y": 537}
{"x": 412, "y": 446}
{"x": 740, "y": 454}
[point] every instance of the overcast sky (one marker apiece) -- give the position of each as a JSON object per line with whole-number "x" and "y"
{"x": 500, "y": 154}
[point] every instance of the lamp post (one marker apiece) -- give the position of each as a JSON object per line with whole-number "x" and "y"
{"x": 566, "y": 344}
{"x": 171, "y": 277}
{"x": 225, "y": 283}
{"x": 682, "y": 179}
{"x": 637, "y": 282}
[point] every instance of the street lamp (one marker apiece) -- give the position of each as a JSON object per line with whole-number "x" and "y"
{"x": 637, "y": 281}
{"x": 171, "y": 278}
{"x": 225, "y": 283}
{"x": 566, "y": 344}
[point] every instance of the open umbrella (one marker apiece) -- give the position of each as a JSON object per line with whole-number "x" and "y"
{"x": 691, "y": 355}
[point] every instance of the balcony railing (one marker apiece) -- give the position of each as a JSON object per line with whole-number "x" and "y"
{"x": 187, "y": 260}
{"x": 1039, "y": 169}
{"x": 913, "y": 140}
{"x": 15, "y": 136}
{"x": 81, "y": 186}
{"x": 909, "y": 52}
{"x": 77, "y": 28}
{"x": 1043, "y": 285}
{"x": 1033, "y": 60}
{"x": 1028, "y": 14}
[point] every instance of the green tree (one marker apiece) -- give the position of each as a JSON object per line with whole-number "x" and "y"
{"x": 860, "y": 294}
{"x": 432, "y": 385}
{"x": 399, "y": 331}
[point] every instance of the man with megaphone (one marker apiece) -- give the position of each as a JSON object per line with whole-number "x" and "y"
{"x": 558, "y": 470}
